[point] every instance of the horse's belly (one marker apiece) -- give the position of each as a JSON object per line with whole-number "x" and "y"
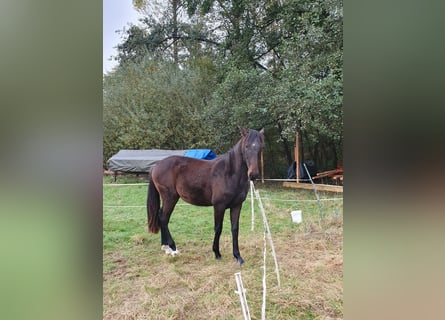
{"x": 197, "y": 195}
{"x": 197, "y": 199}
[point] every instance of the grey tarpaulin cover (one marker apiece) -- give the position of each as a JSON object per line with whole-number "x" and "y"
{"x": 144, "y": 160}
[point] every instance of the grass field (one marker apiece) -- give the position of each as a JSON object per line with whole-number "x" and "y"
{"x": 141, "y": 282}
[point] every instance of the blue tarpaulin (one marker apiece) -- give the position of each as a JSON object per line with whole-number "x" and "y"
{"x": 205, "y": 154}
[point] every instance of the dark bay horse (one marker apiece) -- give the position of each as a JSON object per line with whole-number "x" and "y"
{"x": 222, "y": 183}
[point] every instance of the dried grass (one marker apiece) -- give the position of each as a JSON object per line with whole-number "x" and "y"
{"x": 143, "y": 283}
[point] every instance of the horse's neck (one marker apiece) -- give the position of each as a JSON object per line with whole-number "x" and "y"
{"x": 237, "y": 164}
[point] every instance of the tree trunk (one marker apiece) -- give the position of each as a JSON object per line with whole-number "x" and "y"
{"x": 286, "y": 149}
{"x": 334, "y": 151}
{"x": 175, "y": 4}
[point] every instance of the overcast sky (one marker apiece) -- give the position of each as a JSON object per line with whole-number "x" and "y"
{"x": 116, "y": 15}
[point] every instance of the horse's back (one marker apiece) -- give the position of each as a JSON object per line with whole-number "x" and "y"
{"x": 174, "y": 165}
{"x": 187, "y": 177}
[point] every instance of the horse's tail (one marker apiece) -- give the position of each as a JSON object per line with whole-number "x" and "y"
{"x": 153, "y": 205}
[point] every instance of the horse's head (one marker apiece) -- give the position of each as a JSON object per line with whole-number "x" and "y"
{"x": 252, "y": 145}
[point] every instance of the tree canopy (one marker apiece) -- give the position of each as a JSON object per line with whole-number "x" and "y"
{"x": 194, "y": 71}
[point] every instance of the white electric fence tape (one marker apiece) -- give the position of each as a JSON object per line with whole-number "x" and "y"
{"x": 269, "y": 235}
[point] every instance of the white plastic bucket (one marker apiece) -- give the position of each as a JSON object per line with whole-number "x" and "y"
{"x": 296, "y": 216}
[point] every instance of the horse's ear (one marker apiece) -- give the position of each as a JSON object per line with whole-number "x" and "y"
{"x": 243, "y": 131}
{"x": 262, "y": 134}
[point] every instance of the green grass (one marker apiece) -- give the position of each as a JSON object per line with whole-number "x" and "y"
{"x": 141, "y": 282}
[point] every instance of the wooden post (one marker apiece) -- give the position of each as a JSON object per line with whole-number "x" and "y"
{"x": 297, "y": 156}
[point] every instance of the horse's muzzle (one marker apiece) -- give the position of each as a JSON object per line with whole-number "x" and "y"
{"x": 253, "y": 176}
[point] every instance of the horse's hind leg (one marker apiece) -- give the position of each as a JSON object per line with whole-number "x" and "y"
{"x": 168, "y": 204}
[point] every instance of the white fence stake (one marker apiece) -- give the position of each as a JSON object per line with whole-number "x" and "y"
{"x": 242, "y": 296}
{"x": 251, "y": 203}
{"x": 263, "y": 306}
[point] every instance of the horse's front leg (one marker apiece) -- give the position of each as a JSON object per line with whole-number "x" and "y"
{"x": 234, "y": 219}
{"x": 219, "y": 218}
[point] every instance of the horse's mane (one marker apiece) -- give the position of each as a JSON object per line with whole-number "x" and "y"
{"x": 230, "y": 157}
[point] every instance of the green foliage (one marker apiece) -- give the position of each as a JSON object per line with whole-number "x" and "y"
{"x": 234, "y": 103}
{"x": 154, "y": 105}
{"x": 314, "y": 70}
{"x": 192, "y": 75}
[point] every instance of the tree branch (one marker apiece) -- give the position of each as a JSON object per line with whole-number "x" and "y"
{"x": 261, "y": 66}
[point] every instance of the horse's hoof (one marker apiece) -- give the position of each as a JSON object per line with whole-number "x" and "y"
{"x": 169, "y": 251}
{"x": 165, "y": 247}
{"x": 240, "y": 261}
{"x": 174, "y": 253}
